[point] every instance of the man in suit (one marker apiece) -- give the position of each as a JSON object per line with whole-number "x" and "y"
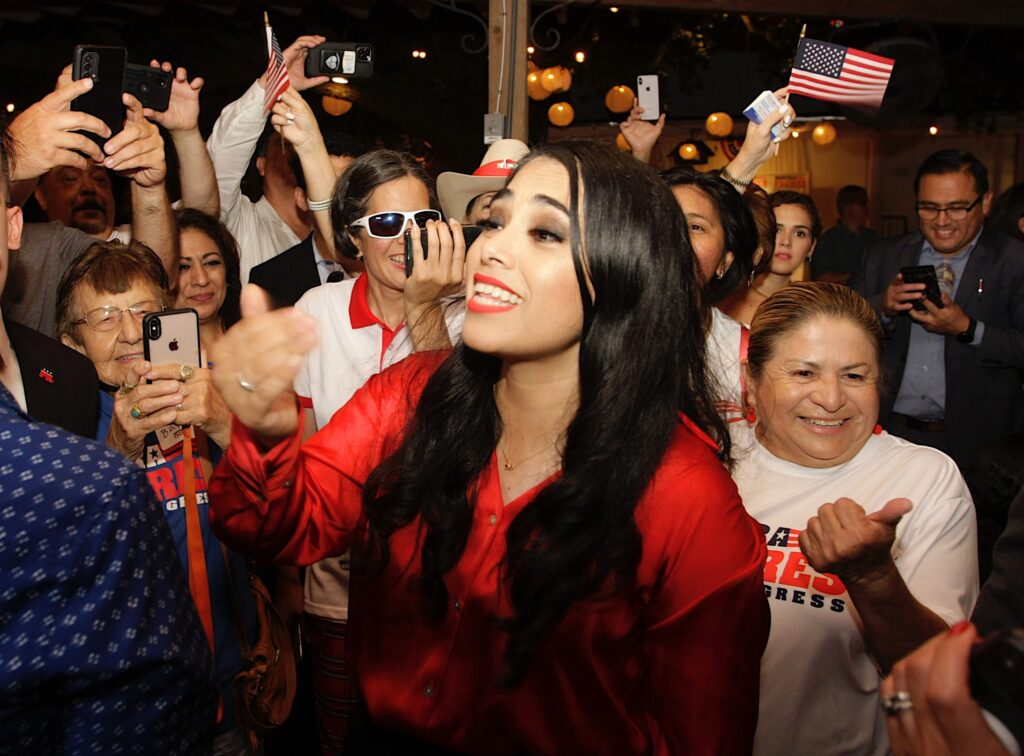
{"x": 953, "y": 371}
{"x": 311, "y": 262}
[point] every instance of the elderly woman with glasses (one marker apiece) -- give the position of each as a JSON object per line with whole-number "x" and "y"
{"x": 101, "y": 301}
{"x": 145, "y": 409}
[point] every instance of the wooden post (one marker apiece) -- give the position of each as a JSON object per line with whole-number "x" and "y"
{"x": 506, "y": 89}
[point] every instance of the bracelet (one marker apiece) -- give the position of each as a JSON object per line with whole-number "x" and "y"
{"x": 315, "y": 205}
{"x": 730, "y": 178}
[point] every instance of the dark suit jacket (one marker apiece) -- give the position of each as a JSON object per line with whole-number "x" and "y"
{"x": 984, "y": 399}
{"x": 61, "y": 387}
{"x": 289, "y": 275}
{"x": 1001, "y": 603}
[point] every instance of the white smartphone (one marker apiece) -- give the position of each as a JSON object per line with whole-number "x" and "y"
{"x": 648, "y": 97}
{"x": 171, "y": 337}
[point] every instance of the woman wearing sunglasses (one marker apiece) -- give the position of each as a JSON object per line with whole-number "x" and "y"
{"x": 365, "y": 325}
{"x": 552, "y": 557}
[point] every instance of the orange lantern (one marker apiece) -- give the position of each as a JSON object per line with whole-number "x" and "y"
{"x": 719, "y": 124}
{"x": 824, "y": 133}
{"x": 336, "y": 106}
{"x": 622, "y": 143}
{"x": 619, "y": 99}
{"x": 561, "y": 114}
{"x": 556, "y": 79}
{"x": 534, "y": 88}
{"x": 688, "y": 151}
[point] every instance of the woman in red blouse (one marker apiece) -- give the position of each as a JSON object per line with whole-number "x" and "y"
{"x": 550, "y": 556}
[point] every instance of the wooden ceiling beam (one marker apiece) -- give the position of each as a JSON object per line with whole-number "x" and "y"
{"x": 977, "y": 13}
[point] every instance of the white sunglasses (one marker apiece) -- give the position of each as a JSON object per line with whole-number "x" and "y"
{"x": 391, "y": 223}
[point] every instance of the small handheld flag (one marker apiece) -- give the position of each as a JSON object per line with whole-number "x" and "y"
{"x": 277, "y": 72}
{"x": 834, "y": 73}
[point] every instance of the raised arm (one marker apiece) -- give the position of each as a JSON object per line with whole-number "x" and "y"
{"x": 759, "y": 145}
{"x": 138, "y": 153}
{"x": 642, "y": 135}
{"x": 181, "y": 119}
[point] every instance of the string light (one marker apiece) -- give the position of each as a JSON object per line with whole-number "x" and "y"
{"x": 580, "y": 56}
{"x": 421, "y": 54}
{"x": 10, "y": 107}
{"x": 614, "y": 9}
{"x": 933, "y": 130}
{"x": 529, "y": 50}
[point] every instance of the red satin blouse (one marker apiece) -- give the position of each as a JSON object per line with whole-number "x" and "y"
{"x": 672, "y": 668}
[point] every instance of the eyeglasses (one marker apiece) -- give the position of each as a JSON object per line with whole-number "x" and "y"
{"x": 109, "y": 318}
{"x": 956, "y": 212}
{"x": 389, "y": 224}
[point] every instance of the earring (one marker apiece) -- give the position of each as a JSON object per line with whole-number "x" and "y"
{"x": 751, "y": 415}
{"x": 719, "y": 274}
{"x": 751, "y": 277}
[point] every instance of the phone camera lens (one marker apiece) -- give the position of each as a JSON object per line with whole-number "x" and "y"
{"x": 154, "y": 329}
{"x": 363, "y": 54}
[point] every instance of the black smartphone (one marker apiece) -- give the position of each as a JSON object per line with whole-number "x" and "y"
{"x": 924, "y": 274}
{"x": 105, "y": 66}
{"x": 352, "y": 60}
{"x": 469, "y": 233}
{"x": 997, "y": 678}
{"x": 150, "y": 86}
{"x": 171, "y": 337}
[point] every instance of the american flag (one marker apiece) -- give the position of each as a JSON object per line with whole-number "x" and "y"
{"x": 840, "y": 74}
{"x": 277, "y": 73}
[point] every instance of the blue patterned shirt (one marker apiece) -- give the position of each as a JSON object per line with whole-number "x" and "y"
{"x": 101, "y": 650}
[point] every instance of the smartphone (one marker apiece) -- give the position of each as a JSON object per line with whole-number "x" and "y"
{"x": 151, "y": 86}
{"x": 997, "y": 678}
{"x": 924, "y": 274}
{"x": 105, "y": 66}
{"x": 469, "y": 233}
{"x": 648, "y": 97}
{"x": 352, "y": 60}
{"x": 171, "y": 337}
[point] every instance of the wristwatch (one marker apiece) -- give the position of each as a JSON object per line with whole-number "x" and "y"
{"x": 968, "y": 336}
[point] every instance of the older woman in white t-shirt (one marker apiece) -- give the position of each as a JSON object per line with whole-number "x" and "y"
{"x": 871, "y": 539}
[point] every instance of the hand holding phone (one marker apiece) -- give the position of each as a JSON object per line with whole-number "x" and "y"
{"x": 762, "y": 108}
{"x": 351, "y": 60}
{"x": 469, "y": 233}
{"x": 918, "y": 274}
{"x": 105, "y": 66}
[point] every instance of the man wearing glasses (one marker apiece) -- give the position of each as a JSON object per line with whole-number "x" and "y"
{"x": 953, "y": 366}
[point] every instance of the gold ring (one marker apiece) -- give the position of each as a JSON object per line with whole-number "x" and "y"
{"x": 125, "y": 390}
{"x": 179, "y": 406}
{"x": 185, "y": 371}
{"x": 136, "y": 411}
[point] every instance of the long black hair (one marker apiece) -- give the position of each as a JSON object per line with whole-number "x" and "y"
{"x": 641, "y": 362}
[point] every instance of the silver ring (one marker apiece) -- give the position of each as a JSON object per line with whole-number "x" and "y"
{"x": 246, "y": 384}
{"x": 897, "y": 702}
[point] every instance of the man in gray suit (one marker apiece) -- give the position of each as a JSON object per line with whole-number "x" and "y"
{"x": 953, "y": 371}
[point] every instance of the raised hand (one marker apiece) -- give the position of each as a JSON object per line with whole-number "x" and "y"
{"x": 138, "y": 150}
{"x": 44, "y": 134}
{"x": 182, "y": 112}
{"x": 845, "y": 541}
{"x": 255, "y": 362}
{"x": 641, "y": 135}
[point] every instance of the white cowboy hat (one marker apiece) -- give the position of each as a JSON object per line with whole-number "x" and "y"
{"x": 455, "y": 190}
